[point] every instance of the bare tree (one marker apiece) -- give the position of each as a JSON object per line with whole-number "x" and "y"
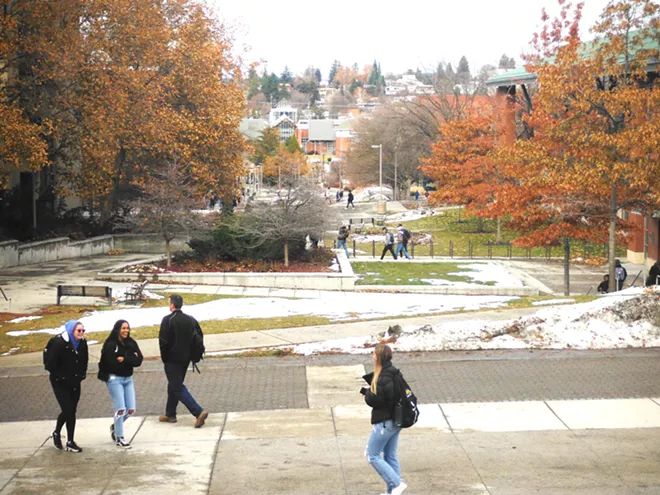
{"x": 165, "y": 207}
{"x": 404, "y": 143}
{"x": 300, "y": 212}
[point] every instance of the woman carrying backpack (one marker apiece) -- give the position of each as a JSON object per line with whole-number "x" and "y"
{"x": 384, "y": 438}
{"x": 66, "y": 359}
{"x": 120, "y": 354}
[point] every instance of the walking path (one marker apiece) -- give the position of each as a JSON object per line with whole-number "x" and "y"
{"x": 493, "y": 448}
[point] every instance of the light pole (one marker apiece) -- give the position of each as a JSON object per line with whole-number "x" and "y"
{"x": 380, "y": 167}
{"x": 381, "y": 207}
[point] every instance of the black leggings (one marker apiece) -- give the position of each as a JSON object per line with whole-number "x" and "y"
{"x": 67, "y": 395}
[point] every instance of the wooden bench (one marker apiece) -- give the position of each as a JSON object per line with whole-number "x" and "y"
{"x": 84, "y": 291}
{"x": 134, "y": 291}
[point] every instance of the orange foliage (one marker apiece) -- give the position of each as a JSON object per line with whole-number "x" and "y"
{"x": 285, "y": 164}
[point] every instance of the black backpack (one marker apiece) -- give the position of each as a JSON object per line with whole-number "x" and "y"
{"x": 197, "y": 348}
{"x": 406, "y": 235}
{"x": 406, "y": 412}
{"x": 48, "y": 347}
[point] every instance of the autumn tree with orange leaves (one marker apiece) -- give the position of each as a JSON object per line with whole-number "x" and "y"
{"x": 461, "y": 163}
{"x": 285, "y": 166}
{"x": 596, "y": 128}
{"x": 118, "y": 89}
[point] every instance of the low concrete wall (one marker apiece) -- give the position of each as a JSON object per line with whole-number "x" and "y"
{"x": 311, "y": 281}
{"x": 62, "y": 248}
{"x": 477, "y": 290}
{"x": 14, "y": 254}
{"x": 8, "y": 254}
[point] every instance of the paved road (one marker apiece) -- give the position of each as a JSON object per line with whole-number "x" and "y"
{"x": 249, "y": 384}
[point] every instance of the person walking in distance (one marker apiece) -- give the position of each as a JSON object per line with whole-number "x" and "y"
{"x": 349, "y": 202}
{"x": 389, "y": 244}
{"x": 175, "y": 340}
{"x": 620, "y": 275}
{"x": 384, "y": 438}
{"x": 66, "y": 359}
{"x": 654, "y": 275}
{"x": 342, "y": 237}
{"x": 120, "y": 354}
{"x": 400, "y": 243}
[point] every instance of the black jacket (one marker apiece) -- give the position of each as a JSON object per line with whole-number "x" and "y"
{"x": 67, "y": 365}
{"x": 175, "y": 337}
{"x": 114, "y": 348}
{"x": 382, "y": 402}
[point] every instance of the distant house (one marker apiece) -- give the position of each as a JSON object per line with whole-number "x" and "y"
{"x": 285, "y": 126}
{"x": 282, "y": 109}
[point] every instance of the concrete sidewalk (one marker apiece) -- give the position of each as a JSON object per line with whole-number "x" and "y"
{"x": 550, "y": 447}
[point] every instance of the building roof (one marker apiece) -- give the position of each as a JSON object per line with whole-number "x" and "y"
{"x": 521, "y": 76}
{"x": 321, "y": 130}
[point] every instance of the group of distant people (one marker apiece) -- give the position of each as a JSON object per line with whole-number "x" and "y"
{"x": 66, "y": 358}
{"x": 402, "y": 236}
{"x": 620, "y": 275}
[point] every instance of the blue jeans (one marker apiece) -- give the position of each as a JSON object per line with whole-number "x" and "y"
{"x": 341, "y": 243}
{"x": 385, "y": 438}
{"x": 178, "y": 392}
{"x": 122, "y": 392}
{"x": 401, "y": 248}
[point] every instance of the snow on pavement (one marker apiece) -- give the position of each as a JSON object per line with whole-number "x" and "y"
{"x": 336, "y": 306}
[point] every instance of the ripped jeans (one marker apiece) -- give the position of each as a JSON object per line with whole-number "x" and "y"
{"x": 384, "y": 439}
{"x": 122, "y": 392}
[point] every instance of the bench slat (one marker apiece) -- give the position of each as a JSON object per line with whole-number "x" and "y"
{"x": 84, "y": 291}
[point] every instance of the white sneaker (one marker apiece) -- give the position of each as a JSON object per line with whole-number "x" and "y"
{"x": 400, "y": 489}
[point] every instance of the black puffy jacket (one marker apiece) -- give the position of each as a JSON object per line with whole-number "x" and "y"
{"x": 382, "y": 402}
{"x": 67, "y": 365}
{"x": 114, "y": 348}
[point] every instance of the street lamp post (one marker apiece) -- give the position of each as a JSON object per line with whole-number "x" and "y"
{"x": 382, "y": 203}
{"x": 380, "y": 166}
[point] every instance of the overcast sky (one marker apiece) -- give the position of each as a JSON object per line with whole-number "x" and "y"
{"x": 400, "y": 35}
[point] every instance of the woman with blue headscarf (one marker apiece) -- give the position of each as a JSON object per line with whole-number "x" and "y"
{"x": 67, "y": 362}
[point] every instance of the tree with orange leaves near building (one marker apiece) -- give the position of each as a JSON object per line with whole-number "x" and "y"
{"x": 596, "y": 121}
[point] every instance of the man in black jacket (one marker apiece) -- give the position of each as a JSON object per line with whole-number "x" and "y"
{"x": 175, "y": 338}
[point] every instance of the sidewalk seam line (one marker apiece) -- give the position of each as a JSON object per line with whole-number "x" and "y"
{"x": 217, "y": 447}
{"x": 341, "y": 460}
{"x": 557, "y": 416}
{"x": 455, "y": 435}
{"x": 105, "y": 487}
{"x": 24, "y": 464}
{"x": 602, "y": 465}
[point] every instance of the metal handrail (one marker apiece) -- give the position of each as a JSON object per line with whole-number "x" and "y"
{"x": 3, "y": 294}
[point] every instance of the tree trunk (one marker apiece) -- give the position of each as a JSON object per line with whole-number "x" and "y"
{"x": 567, "y": 267}
{"x": 286, "y": 254}
{"x": 110, "y": 202}
{"x": 480, "y": 224}
{"x": 168, "y": 252}
{"x": 499, "y": 231}
{"x": 612, "y": 239}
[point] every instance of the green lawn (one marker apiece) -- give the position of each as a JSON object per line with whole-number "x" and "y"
{"x": 407, "y": 273}
{"x": 452, "y": 232}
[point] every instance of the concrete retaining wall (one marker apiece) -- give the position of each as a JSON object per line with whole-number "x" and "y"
{"x": 311, "y": 281}
{"x": 14, "y": 254}
{"x": 8, "y": 254}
